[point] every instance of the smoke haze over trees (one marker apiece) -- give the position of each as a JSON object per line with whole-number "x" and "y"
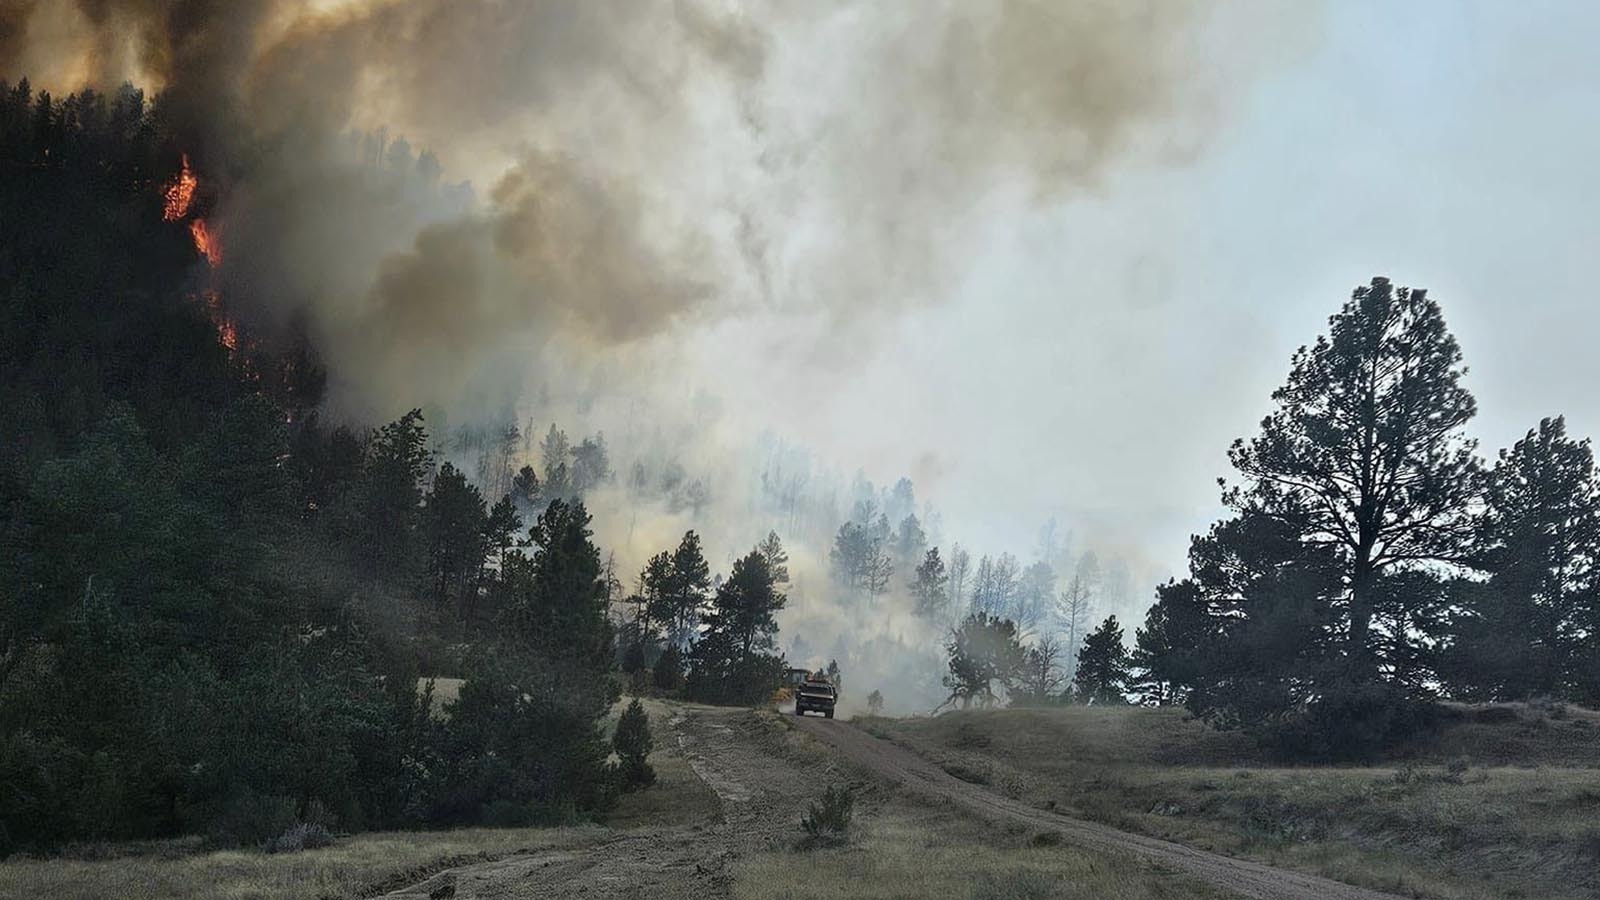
{"x": 600, "y": 338}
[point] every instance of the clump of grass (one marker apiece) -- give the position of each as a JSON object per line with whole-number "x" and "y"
{"x": 297, "y": 837}
{"x": 1023, "y": 884}
{"x": 969, "y": 774}
{"x": 829, "y": 819}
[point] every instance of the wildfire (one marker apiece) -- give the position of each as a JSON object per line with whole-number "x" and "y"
{"x": 227, "y": 332}
{"x": 180, "y": 193}
{"x": 178, "y": 197}
{"x": 206, "y": 242}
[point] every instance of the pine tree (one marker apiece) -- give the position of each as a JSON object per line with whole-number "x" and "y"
{"x": 1102, "y": 676}
{"x": 1365, "y": 451}
{"x": 633, "y": 743}
{"x": 455, "y": 539}
{"x": 771, "y": 548}
{"x": 930, "y": 589}
{"x": 1521, "y": 632}
{"x": 1169, "y": 651}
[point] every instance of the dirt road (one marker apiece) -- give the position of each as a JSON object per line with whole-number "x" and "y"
{"x": 922, "y": 778}
{"x": 763, "y": 785}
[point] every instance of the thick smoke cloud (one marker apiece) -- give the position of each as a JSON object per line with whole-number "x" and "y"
{"x": 621, "y": 192}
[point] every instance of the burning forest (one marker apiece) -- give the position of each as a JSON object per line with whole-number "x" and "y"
{"x": 456, "y": 420}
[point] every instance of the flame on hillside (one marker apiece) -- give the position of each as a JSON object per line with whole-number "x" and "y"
{"x": 179, "y": 193}
{"x": 206, "y": 242}
{"x": 178, "y": 199}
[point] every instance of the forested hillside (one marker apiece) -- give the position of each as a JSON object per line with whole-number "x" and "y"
{"x": 214, "y": 608}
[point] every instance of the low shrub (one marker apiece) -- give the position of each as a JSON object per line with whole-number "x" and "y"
{"x": 829, "y": 819}
{"x": 297, "y": 837}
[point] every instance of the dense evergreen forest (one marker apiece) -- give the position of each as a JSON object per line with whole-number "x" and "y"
{"x": 215, "y": 608}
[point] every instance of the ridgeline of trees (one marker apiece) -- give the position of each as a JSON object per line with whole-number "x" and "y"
{"x": 215, "y": 608}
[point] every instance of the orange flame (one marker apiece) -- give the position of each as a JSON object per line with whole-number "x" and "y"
{"x": 177, "y": 198}
{"x": 227, "y": 331}
{"x": 207, "y": 242}
{"x": 179, "y": 193}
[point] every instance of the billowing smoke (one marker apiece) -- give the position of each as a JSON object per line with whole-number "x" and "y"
{"x": 602, "y": 212}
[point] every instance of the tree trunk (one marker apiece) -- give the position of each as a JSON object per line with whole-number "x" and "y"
{"x": 1359, "y": 657}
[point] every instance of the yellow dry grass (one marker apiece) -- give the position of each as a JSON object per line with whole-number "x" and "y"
{"x": 354, "y": 867}
{"x": 917, "y": 853}
{"x": 1454, "y": 820}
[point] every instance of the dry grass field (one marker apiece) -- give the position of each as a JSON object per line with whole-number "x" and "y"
{"x": 358, "y": 866}
{"x": 910, "y": 851}
{"x": 1501, "y": 803}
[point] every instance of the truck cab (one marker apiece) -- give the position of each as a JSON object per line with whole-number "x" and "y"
{"x": 815, "y": 694}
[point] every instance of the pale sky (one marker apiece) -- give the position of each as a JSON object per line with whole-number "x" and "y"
{"x": 1098, "y": 355}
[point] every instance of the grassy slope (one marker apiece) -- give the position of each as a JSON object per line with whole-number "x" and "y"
{"x": 1523, "y": 819}
{"x": 903, "y": 851}
{"x": 356, "y": 866}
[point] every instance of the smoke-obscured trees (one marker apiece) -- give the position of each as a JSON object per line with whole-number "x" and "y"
{"x": 675, "y": 587}
{"x": 455, "y": 540}
{"x": 526, "y": 489}
{"x": 930, "y": 589}
{"x": 910, "y": 542}
{"x": 771, "y": 549}
{"x": 984, "y": 653}
{"x": 1075, "y": 606}
{"x": 1035, "y": 598}
{"x": 960, "y": 573}
{"x": 1041, "y": 675}
{"x": 994, "y": 586}
{"x": 859, "y": 558}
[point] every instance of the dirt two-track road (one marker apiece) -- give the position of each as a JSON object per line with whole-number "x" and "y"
{"x": 764, "y": 788}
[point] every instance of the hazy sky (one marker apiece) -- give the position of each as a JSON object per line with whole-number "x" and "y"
{"x": 1047, "y": 258}
{"x": 1098, "y": 353}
